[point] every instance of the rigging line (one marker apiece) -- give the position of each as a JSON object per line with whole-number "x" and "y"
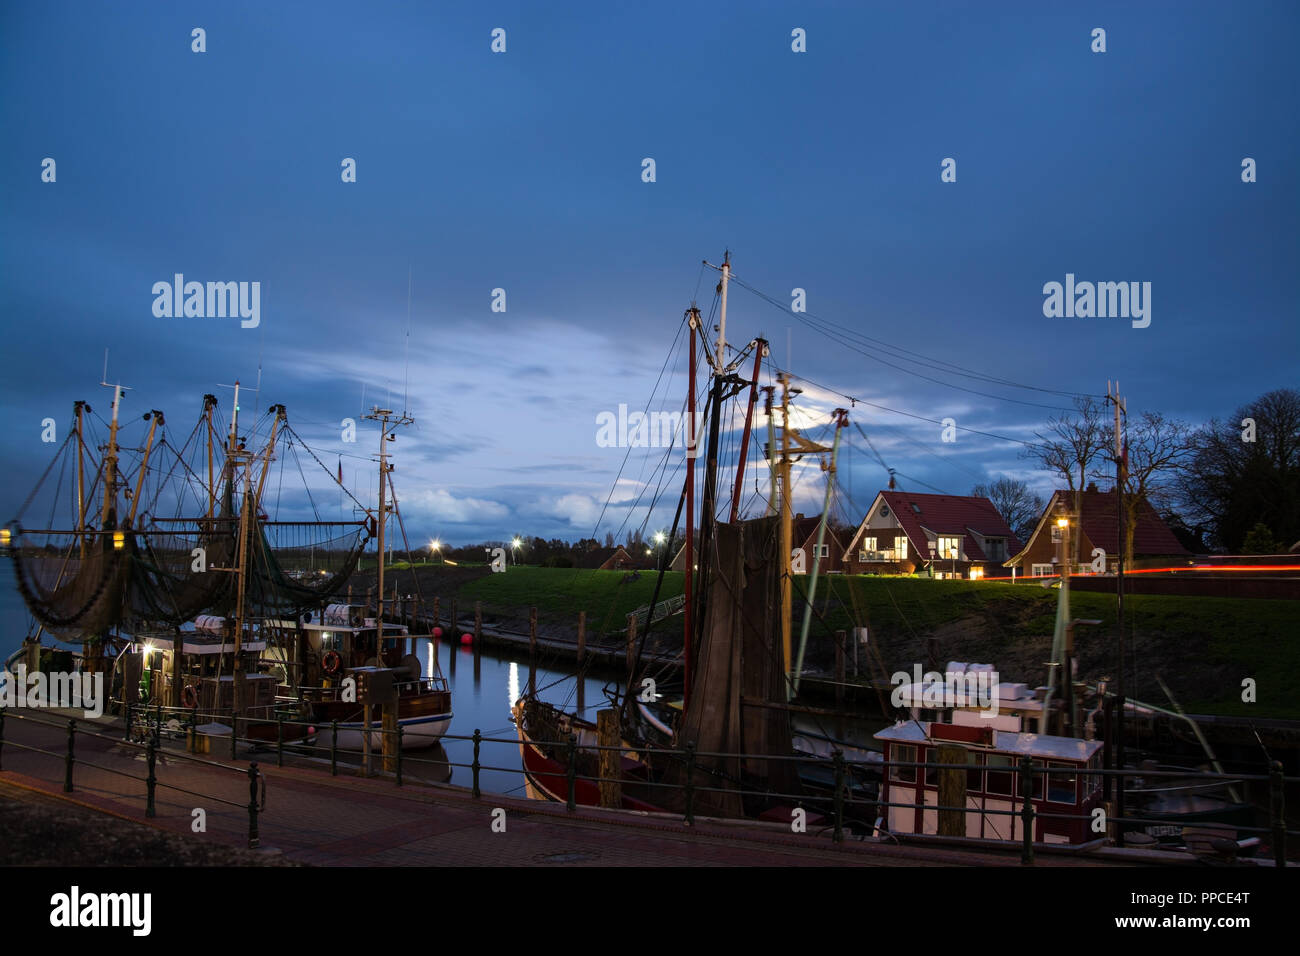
{"x": 921, "y": 359}
{"x": 605, "y": 507}
{"x": 950, "y": 462}
{"x": 924, "y": 484}
{"x": 934, "y": 421}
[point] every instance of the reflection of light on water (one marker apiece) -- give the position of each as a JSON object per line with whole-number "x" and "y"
{"x": 512, "y": 683}
{"x": 433, "y": 653}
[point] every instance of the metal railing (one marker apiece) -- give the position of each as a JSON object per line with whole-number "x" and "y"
{"x": 697, "y": 779}
{"x": 151, "y": 746}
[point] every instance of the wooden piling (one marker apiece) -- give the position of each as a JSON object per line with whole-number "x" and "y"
{"x": 582, "y": 636}
{"x": 611, "y": 787}
{"x": 631, "y": 644}
{"x": 952, "y": 790}
{"x": 389, "y": 719}
{"x": 437, "y": 611}
{"x": 478, "y": 623}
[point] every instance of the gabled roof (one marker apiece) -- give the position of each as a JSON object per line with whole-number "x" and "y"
{"x": 965, "y": 515}
{"x": 1099, "y": 518}
{"x": 804, "y": 528}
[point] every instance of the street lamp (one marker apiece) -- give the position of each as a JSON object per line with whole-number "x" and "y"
{"x": 435, "y": 547}
{"x": 514, "y": 546}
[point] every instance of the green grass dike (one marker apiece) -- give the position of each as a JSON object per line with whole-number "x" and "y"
{"x": 1203, "y": 647}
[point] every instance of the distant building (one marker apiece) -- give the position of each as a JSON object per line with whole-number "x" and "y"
{"x": 947, "y": 536}
{"x": 608, "y": 559}
{"x": 804, "y": 535}
{"x": 1098, "y": 527}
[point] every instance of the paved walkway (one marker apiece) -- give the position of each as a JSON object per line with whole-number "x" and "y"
{"x": 314, "y": 818}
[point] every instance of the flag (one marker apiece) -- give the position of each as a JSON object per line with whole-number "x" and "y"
{"x": 340, "y": 470}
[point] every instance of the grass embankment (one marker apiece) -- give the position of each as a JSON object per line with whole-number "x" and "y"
{"x": 1203, "y": 647}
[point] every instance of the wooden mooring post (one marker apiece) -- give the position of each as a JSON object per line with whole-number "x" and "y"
{"x": 582, "y": 636}
{"x": 611, "y": 786}
{"x": 631, "y": 644}
{"x": 532, "y": 651}
{"x": 952, "y": 791}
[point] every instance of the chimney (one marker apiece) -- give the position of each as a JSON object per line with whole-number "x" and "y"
{"x": 1092, "y": 486}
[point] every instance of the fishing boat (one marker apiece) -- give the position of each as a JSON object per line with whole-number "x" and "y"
{"x": 737, "y": 651}
{"x": 332, "y": 653}
{"x": 165, "y": 585}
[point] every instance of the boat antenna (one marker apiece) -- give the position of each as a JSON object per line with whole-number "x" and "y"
{"x": 407, "y": 348}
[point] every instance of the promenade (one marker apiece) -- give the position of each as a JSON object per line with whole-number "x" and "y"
{"x": 314, "y": 818}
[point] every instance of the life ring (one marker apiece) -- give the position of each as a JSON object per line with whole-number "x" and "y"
{"x": 331, "y": 662}
{"x": 190, "y": 697}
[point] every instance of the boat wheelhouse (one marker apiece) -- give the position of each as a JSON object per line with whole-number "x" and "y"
{"x": 341, "y": 641}
{"x": 1066, "y": 785}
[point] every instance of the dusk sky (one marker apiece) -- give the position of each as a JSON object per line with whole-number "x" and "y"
{"x": 522, "y": 170}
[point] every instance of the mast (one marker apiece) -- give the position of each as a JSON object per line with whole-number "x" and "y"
{"x": 786, "y": 526}
{"x": 771, "y": 451}
{"x": 209, "y": 403}
{"x": 155, "y": 419}
{"x": 81, "y": 480}
{"x": 692, "y": 450}
{"x": 1120, "y": 478}
{"x": 760, "y": 349}
{"x": 841, "y": 420}
{"x": 721, "y": 363}
{"x": 386, "y": 419}
{"x": 110, "y": 462}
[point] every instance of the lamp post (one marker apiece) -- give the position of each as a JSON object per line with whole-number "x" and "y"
{"x": 435, "y": 548}
{"x": 515, "y": 544}
{"x": 933, "y": 554}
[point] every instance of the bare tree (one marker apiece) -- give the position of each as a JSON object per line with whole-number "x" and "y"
{"x": 1019, "y": 506}
{"x": 1069, "y": 446}
{"x": 1154, "y": 450}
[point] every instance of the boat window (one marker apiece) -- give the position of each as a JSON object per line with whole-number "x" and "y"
{"x": 974, "y": 775}
{"x": 932, "y": 766}
{"x": 1000, "y": 778}
{"x": 907, "y": 754}
{"x": 1060, "y": 782}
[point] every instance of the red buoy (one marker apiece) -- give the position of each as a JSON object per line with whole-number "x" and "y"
{"x": 437, "y": 632}
{"x": 467, "y": 638}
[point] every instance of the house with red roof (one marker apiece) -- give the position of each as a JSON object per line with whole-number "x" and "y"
{"x": 1098, "y": 524}
{"x": 804, "y": 535}
{"x": 947, "y": 536}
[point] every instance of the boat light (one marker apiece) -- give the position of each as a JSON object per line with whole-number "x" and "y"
{"x": 119, "y": 540}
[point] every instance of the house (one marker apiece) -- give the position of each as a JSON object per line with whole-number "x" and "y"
{"x": 945, "y": 536}
{"x": 1098, "y": 527}
{"x": 804, "y": 535}
{"x": 608, "y": 559}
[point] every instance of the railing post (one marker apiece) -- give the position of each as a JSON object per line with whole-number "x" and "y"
{"x": 478, "y": 739}
{"x": 234, "y": 730}
{"x": 1027, "y": 810}
{"x": 399, "y": 755}
{"x": 130, "y": 716}
{"x": 67, "y": 769}
{"x": 572, "y": 803}
{"x": 334, "y": 748}
{"x": 838, "y": 758}
{"x": 254, "y": 838}
{"x": 279, "y": 739}
{"x": 690, "y": 785}
{"x": 151, "y": 781}
{"x": 1277, "y": 806}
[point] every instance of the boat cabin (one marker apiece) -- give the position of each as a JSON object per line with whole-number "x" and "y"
{"x": 1064, "y": 781}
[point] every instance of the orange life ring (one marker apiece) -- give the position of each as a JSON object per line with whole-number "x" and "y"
{"x": 331, "y": 662}
{"x": 190, "y": 696}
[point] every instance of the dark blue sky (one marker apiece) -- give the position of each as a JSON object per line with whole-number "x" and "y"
{"x": 522, "y": 170}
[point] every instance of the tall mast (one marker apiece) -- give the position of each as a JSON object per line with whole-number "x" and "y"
{"x": 760, "y": 349}
{"x": 110, "y": 462}
{"x": 235, "y": 456}
{"x": 721, "y": 361}
{"x": 692, "y": 449}
{"x": 841, "y": 420}
{"x": 81, "y": 481}
{"x": 386, "y": 419}
{"x": 210, "y": 402}
{"x": 786, "y": 526}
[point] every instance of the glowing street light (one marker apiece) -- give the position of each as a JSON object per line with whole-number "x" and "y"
{"x": 659, "y": 537}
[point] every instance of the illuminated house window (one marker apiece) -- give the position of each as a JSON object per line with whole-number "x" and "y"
{"x": 949, "y": 547}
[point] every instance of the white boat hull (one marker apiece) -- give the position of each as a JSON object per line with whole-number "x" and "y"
{"x": 418, "y": 733}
